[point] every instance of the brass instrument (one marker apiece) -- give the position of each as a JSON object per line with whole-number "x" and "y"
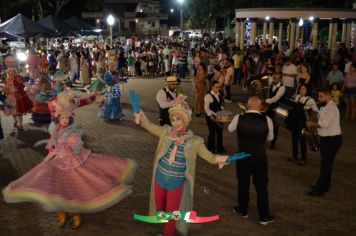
{"x": 265, "y": 86}
{"x": 243, "y": 107}
{"x": 260, "y": 88}
{"x": 311, "y": 135}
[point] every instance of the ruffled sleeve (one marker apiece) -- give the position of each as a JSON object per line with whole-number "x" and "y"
{"x": 75, "y": 142}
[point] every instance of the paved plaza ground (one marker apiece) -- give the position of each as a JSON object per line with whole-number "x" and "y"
{"x": 215, "y": 190}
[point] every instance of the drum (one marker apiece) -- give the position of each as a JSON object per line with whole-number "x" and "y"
{"x": 281, "y": 114}
{"x": 224, "y": 116}
{"x": 287, "y": 115}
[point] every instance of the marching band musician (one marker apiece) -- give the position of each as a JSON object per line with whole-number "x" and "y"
{"x": 212, "y": 104}
{"x": 329, "y": 130}
{"x": 253, "y": 130}
{"x": 276, "y": 94}
{"x": 165, "y": 98}
{"x": 308, "y": 104}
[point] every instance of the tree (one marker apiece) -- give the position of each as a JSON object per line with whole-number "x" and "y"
{"x": 95, "y": 5}
{"x": 41, "y": 6}
{"x": 7, "y": 5}
{"x": 58, "y": 5}
{"x": 202, "y": 13}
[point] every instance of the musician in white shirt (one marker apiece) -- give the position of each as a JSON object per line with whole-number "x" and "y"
{"x": 212, "y": 104}
{"x": 276, "y": 94}
{"x": 165, "y": 98}
{"x": 329, "y": 130}
{"x": 297, "y": 137}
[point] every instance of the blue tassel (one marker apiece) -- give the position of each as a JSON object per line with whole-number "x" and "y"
{"x": 134, "y": 99}
{"x": 237, "y": 156}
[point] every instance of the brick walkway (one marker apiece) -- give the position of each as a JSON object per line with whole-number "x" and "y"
{"x": 215, "y": 190}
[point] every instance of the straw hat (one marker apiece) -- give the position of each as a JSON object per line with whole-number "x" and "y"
{"x": 66, "y": 103}
{"x": 172, "y": 80}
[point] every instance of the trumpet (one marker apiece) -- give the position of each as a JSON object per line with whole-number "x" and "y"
{"x": 311, "y": 135}
{"x": 265, "y": 86}
{"x": 243, "y": 107}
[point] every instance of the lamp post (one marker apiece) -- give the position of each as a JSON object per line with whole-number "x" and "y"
{"x": 180, "y": 2}
{"x": 110, "y": 20}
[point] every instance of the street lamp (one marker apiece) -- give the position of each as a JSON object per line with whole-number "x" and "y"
{"x": 301, "y": 22}
{"x": 180, "y": 2}
{"x": 110, "y": 20}
{"x": 172, "y": 10}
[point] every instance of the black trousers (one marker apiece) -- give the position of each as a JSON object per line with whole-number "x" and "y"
{"x": 237, "y": 76}
{"x": 297, "y": 137}
{"x": 329, "y": 146}
{"x": 215, "y": 139}
{"x": 228, "y": 92}
{"x": 255, "y": 166}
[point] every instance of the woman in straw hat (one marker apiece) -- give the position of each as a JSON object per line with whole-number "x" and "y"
{"x": 72, "y": 179}
{"x": 174, "y": 165}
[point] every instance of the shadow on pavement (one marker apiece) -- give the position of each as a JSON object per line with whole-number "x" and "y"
{"x": 7, "y": 172}
{"x": 30, "y": 137}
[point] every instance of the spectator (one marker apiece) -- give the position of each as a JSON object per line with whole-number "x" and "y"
{"x": 335, "y": 75}
{"x": 289, "y": 77}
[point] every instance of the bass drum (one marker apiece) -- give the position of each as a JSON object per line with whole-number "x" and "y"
{"x": 287, "y": 115}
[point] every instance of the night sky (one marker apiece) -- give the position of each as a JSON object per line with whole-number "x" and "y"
{"x": 75, "y": 7}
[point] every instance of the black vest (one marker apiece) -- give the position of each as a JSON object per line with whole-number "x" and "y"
{"x": 270, "y": 112}
{"x": 163, "y": 112}
{"x": 216, "y": 105}
{"x": 252, "y": 131}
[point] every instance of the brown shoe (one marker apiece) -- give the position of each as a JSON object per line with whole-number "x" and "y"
{"x": 76, "y": 221}
{"x": 61, "y": 218}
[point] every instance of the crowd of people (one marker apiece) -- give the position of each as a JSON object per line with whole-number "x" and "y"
{"x": 273, "y": 78}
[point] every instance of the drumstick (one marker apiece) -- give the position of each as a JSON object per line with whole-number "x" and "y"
{"x": 237, "y": 156}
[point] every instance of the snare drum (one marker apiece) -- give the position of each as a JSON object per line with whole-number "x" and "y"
{"x": 224, "y": 116}
{"x": 286, "y": 116}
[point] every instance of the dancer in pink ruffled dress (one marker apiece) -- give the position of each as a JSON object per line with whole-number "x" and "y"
{"x": 72, "y": 179}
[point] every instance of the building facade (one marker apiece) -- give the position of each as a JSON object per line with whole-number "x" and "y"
{"x": 132, "y": 17}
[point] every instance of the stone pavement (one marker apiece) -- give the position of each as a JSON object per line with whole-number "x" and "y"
{"x": 215, "y": 190}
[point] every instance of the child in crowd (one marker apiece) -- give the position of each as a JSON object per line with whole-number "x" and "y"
{"x": 336, "y": 93}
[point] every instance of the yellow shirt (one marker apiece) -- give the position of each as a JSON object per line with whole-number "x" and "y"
{"x": 238, "y": 60}
{"x": 336, "y": 96}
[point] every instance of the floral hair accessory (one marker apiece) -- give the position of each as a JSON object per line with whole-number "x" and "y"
{"x": 66, "y": 103}
{"x": 181, "y": 106}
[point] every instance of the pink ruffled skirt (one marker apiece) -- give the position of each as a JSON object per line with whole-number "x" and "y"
{"x": 98, "y": 183}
